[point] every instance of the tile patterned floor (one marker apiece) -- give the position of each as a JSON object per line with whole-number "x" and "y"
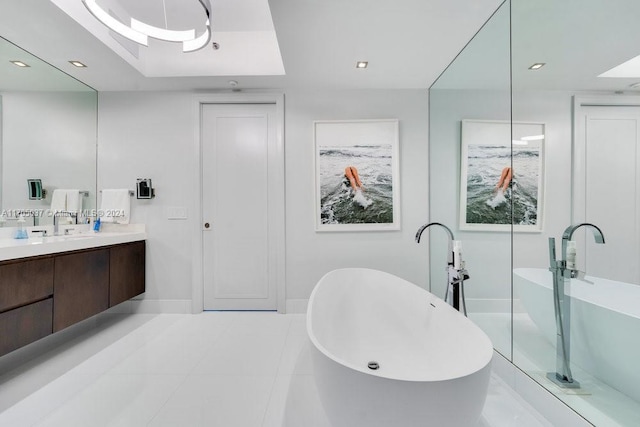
{"x": 212, "y": 369}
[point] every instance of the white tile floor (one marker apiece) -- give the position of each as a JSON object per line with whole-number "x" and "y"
{"x": 598, "y": 402}
{"x": 212, "y": 369}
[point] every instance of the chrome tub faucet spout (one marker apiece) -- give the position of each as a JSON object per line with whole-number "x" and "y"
{"x": 451, "y": 238}
{"x": 562, "y": 270}
{"x": 456, "y": 272}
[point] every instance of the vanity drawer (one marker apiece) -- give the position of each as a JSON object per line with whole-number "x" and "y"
{"x": 126, "y": 272}
{"x": 24, "y": 325}
{"x": 81, "y": 286}
{"x": 23, "y": 282}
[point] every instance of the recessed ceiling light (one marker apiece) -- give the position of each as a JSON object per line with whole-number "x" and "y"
{"x": 362, "y": 64}
{"x": 20, "y": 64}
{"x": 77, "y": 64}
{"x": 537, "y": 65}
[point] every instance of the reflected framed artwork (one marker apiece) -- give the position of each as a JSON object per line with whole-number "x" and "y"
{"x": 357, "y": 175}
{"x": 502, "y": 176}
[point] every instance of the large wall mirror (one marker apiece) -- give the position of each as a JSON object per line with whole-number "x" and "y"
{"x": 592, "y": 167}
{"x": 565, "y": 314}
{"x": 48, "y": 123}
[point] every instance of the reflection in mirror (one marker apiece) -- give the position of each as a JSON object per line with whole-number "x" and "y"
{"x": 592, "y": 161}
{"x": 48, "y": 125}
{"x": 475, "y": 87}
{"x": 592, "y": 143}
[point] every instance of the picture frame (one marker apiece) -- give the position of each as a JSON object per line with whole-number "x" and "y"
{"x": 367, "y": 196}
{"x": 502, "y": 176}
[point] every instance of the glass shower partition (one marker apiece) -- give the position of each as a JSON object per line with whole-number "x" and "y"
{"x": 534, "y": 133}
{"x": 469, "y": 148}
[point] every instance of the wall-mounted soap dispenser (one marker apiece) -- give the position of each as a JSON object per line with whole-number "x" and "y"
{"x": 144, "y": 189}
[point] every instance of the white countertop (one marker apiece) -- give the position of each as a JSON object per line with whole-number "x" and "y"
{"x": 81, "y": 238}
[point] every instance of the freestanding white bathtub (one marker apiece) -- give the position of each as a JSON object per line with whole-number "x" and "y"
{"x": 605, "y": 324}
{"x": 434, "y": 363}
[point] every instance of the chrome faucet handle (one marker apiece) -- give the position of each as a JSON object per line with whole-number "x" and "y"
{"x": 463, "y": 274}
{"x": 457, "y": 276}
{"x": 580, "y": 275}
{"x": 44, "y": 232}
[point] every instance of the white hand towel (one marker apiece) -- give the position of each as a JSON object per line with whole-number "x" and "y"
{"x": 115, "y": 206}
{"x": 74, "y": 202}
{"x": 58, "y": 201}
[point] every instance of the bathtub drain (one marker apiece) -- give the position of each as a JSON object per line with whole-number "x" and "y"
{"x": 373, "y": 365}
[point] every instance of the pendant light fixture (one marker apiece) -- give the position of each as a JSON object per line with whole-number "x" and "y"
{"x": 140, "y": 32}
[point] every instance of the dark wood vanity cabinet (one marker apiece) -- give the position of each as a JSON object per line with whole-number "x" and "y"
{"x": 26, "y": 302}
{"x": 127, "y": 271}
{"x": 45, "y": 294}
{"x": 24, "y": 325}
{"x": 23, "y": 282}
{"x": 81, "y": 286}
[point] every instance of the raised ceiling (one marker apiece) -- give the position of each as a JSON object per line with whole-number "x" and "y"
{"x": 407, "y": 43}
{"x": 244, "y": 34}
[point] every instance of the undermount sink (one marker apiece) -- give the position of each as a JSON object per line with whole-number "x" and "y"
{"x": 71, "y": 237}
{"x": 62, "y": 238}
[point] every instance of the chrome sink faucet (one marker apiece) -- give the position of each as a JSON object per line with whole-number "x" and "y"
{"x": 56, "y": 223}
{"x": 562, "y": 304}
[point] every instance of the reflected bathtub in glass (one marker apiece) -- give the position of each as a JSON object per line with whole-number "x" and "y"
{"x": 605, "y": 324}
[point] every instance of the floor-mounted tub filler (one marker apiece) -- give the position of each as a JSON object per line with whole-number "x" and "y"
{"x": 564, "y": 269}
{"x": 388, "y": 353}
{"x": 605, "y": 324}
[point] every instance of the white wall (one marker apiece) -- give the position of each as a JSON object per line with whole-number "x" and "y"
{"x": 151, "y": 135}
{"x": 51, "y": 136}
{"x": 309, "y": 254}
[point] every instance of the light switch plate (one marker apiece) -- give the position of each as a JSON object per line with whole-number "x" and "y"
{"x": 176, "y": 212}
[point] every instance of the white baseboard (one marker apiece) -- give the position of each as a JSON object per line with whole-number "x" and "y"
{"x": 493, "y": 305}
{"x": 161, "y": 306}
{"x": 122, "y": 308}
{"x": 152, "y": 306}
{"x": 296, "y": 306}
{"x": 549, "y": 406}
{"x": 474, "y": 305}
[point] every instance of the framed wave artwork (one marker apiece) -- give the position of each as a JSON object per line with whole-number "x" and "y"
{"x": 502, "y": 176}
{"x": 357, "y": 175}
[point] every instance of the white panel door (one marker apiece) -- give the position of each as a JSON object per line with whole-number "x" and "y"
{"x": 611, "y": 191}
{"x": 238, "y": 151}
